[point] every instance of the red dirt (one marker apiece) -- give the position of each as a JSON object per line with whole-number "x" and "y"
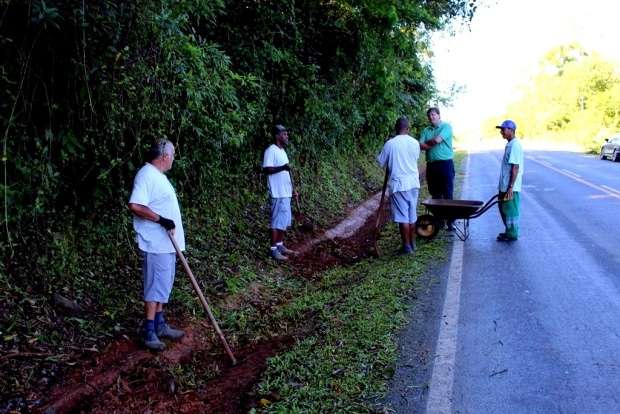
{"x": 331, "y": 252}
{"x": 125, "y": 378}
{"x": 227, "y": 393}
{"x": 120, "y": 358}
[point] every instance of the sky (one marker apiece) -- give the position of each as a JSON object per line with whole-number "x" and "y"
{"x": 499, "y": 52}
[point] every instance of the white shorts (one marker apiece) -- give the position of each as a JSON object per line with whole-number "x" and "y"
{"x": 158, "y": 270}
{"x": 280, "y": 213}
{"x": 404, "y": 206}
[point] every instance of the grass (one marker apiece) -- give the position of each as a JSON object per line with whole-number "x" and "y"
{"x": 97, "y": 265}
{"x": 345, "y": 364}
{"x": 341, "y": 364}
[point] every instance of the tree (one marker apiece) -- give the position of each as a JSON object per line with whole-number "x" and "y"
{"x": 573, "y": 98}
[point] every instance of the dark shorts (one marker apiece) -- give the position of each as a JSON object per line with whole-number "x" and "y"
{"x": 440, "y": 179}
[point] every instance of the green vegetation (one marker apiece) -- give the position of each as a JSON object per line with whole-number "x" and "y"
{"x": 573, "y": 99}
{"x": 344, "y": 366}
{"x": 85, "y": 88}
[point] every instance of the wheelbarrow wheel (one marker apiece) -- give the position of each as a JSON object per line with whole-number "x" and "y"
{"x": 427, "y": 227}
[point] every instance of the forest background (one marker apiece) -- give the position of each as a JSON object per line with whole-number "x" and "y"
{"x": 86, "y": 86}
{"x": 572, "y": 101}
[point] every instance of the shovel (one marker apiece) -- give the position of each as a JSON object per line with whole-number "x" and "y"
{"x": 202, "y": 298}
{"x": 385, "y": 180}
{"x": 301, "y": 220}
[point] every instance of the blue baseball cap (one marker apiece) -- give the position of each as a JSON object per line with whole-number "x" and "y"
{"x": 508, "y": 124}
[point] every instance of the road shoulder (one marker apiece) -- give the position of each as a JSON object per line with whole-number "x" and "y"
{"x": 408, "y": 389}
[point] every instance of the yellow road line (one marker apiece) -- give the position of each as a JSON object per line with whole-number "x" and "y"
{"x": 570, "y": 172}
{"x": 601, "y": 188}
{"x": 610, "y": 188}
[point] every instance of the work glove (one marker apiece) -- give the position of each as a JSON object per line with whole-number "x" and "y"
{"x": 166, "y": 223}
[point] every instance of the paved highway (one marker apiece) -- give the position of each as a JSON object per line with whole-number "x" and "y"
{"x": 539, "y": 319}
{"x": 531, "y": 326}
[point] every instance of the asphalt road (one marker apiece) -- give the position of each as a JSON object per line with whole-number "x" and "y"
{"x": 539, "y": 320}
{"x": 538, "y": 326}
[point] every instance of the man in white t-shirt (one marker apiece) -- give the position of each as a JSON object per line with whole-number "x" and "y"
{"x": 510, "y": 178}
{"x": 400, "y": 156}
{"x": 275, "y": 165}
{"x": 156, "y": 211}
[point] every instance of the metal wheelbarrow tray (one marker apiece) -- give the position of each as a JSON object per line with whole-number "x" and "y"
{"x": 439, "y": 211}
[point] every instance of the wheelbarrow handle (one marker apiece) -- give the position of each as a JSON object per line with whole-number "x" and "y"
{"x": 490, "y": 203}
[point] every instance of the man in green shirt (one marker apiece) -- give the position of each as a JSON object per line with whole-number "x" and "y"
{"x": 436, "y": 140}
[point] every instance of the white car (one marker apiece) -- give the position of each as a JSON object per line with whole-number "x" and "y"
{"x": 611, "y": 148}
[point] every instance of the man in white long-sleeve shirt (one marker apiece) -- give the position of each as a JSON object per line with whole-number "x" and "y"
{"x": 400, "y": 155}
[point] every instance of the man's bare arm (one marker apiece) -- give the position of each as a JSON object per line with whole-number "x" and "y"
{"x": 275, "y": 170}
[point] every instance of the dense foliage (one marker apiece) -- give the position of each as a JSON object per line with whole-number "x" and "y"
{"x": 86, "y": 86}
{"x": 573, "y": 99}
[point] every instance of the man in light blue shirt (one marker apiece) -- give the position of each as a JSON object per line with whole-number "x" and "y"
{"x": 510, "y": 178}
{"x": 400, "y": 156}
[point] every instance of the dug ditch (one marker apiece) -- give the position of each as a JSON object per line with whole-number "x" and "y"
{"x": 125, "y": 378}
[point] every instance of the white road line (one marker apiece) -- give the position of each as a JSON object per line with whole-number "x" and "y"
{"x": 442, "y": 378}
{"x": 601, "y": 188}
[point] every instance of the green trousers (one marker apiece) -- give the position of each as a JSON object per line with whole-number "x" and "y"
{"x": 509, "y": 210}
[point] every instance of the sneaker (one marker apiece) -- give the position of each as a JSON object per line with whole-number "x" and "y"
{"x": 152, "y": 342}
{"x": 503, "y": 237}
{"x": 405, "y": 251}
{"x": 166, "y": 331}
{"x": 276, "y": 255}
{"x": 286, "y": 251}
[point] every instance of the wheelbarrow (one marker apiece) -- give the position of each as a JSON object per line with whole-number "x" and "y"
{"x": 439, "y": 211}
